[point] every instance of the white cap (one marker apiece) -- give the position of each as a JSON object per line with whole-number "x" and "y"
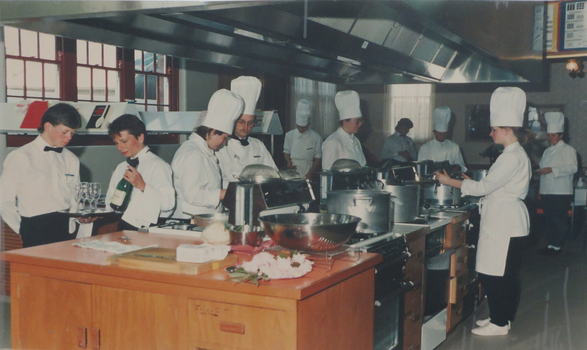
{"x": 441, "y": 117}
{"x": 224, "y": 109}
{"x": 249, "y": 88}
{"x": 555, "y": 122}
{"x": 303, "y": 111}
{"x": 348, "y": 104}
{"x": 507, "y": 107}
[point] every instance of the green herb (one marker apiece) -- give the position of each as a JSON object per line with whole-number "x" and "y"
{"x": 240, "y": 275}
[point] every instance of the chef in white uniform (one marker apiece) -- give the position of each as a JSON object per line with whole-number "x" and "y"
{"x": 343, "y": 144}
{"x": 557, "y": 167}
{"x": 153, "y": 194}
{"x": 399, "y": 147}
{"x": 440, "y": 148}
{"x": 241, "y": 149}
{"x": 196, "y": 173}
{"x": 302, "y": 147}
{"x": 504, "y": 216}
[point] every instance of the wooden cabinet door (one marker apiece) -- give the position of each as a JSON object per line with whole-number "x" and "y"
{"x": 128, "y": 319}
{"x": 49, "y": 313}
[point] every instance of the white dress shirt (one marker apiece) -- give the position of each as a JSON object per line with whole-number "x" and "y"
{"x": 503, "y": 212}
{"x": 562, "y": 158}
{"x": 197, "y": 179}
{"x": 234, "y": 157}
{"x": 341, "y": 145}
{"x": 36, "y": 182}
{"x": 158, "y": 199}
{"x": 441, "y": 151}
{"x": 303, "y": 149}
{"x": 396, "y": 143}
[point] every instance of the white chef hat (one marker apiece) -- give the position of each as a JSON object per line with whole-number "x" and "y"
{"x": 249, "y": 88}
{"x": 224, "y": 109}
{"x": 441, "y": 117}
{"x": 348, "y": 104}
{"x": 303, "y": 111}
{"x": 555, "y": 122}
{"x": 507, "y": 107}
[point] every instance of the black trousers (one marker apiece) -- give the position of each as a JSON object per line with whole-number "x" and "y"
{"x": 503, "y": 292}
{"x": 44, "y": 229}
{"x": 123, "y": 225}
{"x": 556, "y": 217}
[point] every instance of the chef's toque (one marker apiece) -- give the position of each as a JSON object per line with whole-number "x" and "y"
{"x": 555, "y": 122}
{"x": 224, "y": 108}
{"x": 507, "y": 107}
{"x": 348, "y": 104}
{"x": 441, "y": 118}
{"x": 303, "y": 111}
{"x": 249, "y": 88}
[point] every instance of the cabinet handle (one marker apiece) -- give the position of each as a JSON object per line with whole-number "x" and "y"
{"x": 82, "y": 337}
{"x": 230, "y": 327}
{"x": 412, "y": 317}
{"x": 95, "y": 338}
{"x": 419, "y": 254}
{"x": 462, "y": 259}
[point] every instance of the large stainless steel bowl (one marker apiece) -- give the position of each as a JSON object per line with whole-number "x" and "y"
{"x": 203, "y": 220}
{"x": 310, "y": 231}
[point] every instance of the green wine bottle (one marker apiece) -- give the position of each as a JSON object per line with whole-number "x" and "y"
{"x": 121, "y": 195}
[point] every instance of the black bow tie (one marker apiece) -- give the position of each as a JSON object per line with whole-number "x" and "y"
{"x": 54, "y": 149}
{"x": 244, "y": 142}
{"x": 133, "y": 162}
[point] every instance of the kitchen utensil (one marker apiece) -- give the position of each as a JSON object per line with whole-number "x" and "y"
{"x": 478, "y": 174}
{"x": 289, "y": 174}
{"x": 310, "y": 231}
{"x": 406, "y": 202}
{"x": 375, "y": 208}
{"x": 203, "y": 220}
{"x": 439, "y": 194}
{"x": 246, "y": 235}
{"x": 345, "y": 165}
{"x": 258, "y": 173}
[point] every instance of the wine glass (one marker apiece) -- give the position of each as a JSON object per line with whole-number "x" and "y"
{"x": 77, "y": 194}
{"x": 84, "y": 195}
{"x": 95, "y": 193}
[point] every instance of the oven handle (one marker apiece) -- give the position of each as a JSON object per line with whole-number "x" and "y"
{"x": 402, "y": 257}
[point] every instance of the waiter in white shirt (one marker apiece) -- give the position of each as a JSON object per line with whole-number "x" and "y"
{"x": 39, "y": 179}
{"x": 241, "y": 149}
{"x": 196, "y": 173}
{"x": 153, "y": 193}
{"x": 302, "y": 147}
{"x": 557, "y": 167}
{"x": 399, "y": 147}
{"x": 440, "y": 148}
{"x": 342, "y": 144}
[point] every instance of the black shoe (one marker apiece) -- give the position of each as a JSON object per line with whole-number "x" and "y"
{"x": 550, "y": 251}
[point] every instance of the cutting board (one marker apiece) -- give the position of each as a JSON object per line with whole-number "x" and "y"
{"x": 163, "y": 260}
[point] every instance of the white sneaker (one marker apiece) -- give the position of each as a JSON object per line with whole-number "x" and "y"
{"x": 485, "y": 322}
{"x": 491, "y": 329}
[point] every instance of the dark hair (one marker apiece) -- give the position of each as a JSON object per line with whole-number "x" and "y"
{"x": 519, "y": 132}
{"x": 61, "y": 114}
{"x": 127, "y": 122}
{"x": 204, "y": 131}
{"x": 404, "y": 122}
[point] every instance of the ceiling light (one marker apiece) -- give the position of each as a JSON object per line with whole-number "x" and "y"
{"x": 575, "y": 68}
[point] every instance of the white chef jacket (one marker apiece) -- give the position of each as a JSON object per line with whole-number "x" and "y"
{"x": 503, "y": 212}
{"x": 441, "y": 151}
{"x": 396, "y": 143}
{"x": 234, "y": 157}
{"x": 197, "y": 178}
{"x": 36, "y": 182}
{"x": 341, "y": 145}
{"x": 303, "y": 149}
{"x": 158, "y": 199}
{"x": 562, "y": 158}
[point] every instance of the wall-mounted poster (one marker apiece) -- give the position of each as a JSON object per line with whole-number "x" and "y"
{"x": 477, "y": 123}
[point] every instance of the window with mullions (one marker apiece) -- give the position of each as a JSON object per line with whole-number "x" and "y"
{"x": 152, "y": 77}
{"x": 98, "y": 74}
{"x": 32, "y": 66}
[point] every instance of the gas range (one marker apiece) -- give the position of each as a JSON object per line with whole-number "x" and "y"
{"x": 392, "y": 245}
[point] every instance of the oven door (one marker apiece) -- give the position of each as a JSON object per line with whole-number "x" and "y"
{"x": 389, "y": 305}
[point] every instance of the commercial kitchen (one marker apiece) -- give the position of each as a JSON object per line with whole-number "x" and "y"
{"x": 393, "y": 250}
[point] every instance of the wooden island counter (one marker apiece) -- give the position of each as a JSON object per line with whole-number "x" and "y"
{"x": 66, "y": 297}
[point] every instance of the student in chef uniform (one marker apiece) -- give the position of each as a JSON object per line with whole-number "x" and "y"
{"x": 440, "y": 148}
{"x": 241, "y": 149}
{"x": 39, "y": 179}
{"x": 342, "y": 144}
{"x": 557, "y": 167}
{"x": 504, "y": 216}
{"x": 302, "y": 147}
{"x": 153, "y": 194}
{"x": 399, "y": 147}
{"x": 196, "y": 173}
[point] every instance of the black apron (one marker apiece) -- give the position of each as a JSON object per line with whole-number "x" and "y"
{"x": 44, "y": 229}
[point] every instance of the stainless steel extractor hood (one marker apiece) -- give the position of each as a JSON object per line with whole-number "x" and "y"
{"x": 345, "y": 42}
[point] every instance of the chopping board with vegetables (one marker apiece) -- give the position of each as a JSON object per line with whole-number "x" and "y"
{"x": 164, "y": 260}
